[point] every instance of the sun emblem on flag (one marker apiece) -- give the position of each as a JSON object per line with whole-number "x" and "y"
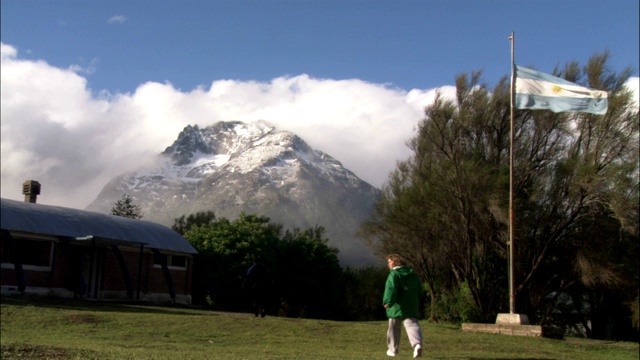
{"x": 556, "y": 89}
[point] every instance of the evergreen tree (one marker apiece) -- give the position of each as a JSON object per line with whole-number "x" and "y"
{"x": 576, "y": 202}
{"x": 126, "y": 208}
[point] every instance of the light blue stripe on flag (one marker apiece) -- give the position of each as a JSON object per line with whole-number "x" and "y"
{"x": 537, "y": 90}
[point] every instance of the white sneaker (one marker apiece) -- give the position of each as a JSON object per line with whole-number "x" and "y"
{"x": 391, "y": 353}
{"x": 417, "y": 351}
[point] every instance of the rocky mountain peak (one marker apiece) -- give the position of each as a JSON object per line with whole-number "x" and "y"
{"x": 234, "y": 167}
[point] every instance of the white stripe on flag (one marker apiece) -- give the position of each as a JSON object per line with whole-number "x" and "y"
{"x": 536, "y": 90}
{"x": 545, "y": 88}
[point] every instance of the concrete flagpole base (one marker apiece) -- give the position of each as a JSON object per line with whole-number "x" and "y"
{"x": 515, "y": 324}
{"x": 512, "y": 319}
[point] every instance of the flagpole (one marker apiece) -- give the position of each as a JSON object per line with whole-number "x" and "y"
{"x": 512, "y": 299}
{"x": 512, "y": 318}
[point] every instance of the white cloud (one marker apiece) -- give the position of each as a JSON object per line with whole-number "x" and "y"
{"x": 117, "y": 19}
{"x": 7, "y": 51}
{"x": 56, "y": 131}
{"x": 634, "y": 84}
{"x": 87, "y": 69}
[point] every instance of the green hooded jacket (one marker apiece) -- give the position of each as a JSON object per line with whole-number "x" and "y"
{"x": 402, "y": 293}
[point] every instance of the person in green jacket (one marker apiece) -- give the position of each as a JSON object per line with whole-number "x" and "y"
{"x": 401, "y": 296}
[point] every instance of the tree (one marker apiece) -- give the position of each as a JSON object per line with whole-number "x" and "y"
{"x": 441, "y": 208}
{"x": 580, "y": 202}
{"x": 225, "y": 249}
{"x": 183, "y": 223}
{"x": 364, "y": 290}
{"x": 126, "y": 208}
{"x": 446, "y": 208}
{"x": 305, "y": 271}
{"x": 309, "y": 275}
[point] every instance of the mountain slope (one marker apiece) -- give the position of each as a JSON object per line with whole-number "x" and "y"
{"x": 232, "y": 167}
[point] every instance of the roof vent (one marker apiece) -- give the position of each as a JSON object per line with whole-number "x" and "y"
{"x": 31, "y": 190}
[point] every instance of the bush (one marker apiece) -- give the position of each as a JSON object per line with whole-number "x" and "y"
{"x": 456, "y": 306}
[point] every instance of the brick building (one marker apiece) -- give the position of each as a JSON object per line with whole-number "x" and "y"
{"x": 65, "y": 252}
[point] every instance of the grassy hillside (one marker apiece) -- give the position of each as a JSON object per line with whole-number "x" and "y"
{"x": 49, "y": 329}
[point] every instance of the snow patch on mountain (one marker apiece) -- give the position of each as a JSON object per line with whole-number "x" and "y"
{"x": 233, "y": 167}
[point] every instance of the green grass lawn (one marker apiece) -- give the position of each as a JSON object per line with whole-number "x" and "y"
{"x": 49, "y": 329}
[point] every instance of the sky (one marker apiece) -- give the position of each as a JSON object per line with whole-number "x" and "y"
{"x": 91, "y": 88}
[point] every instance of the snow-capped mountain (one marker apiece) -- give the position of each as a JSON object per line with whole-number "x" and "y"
{"x": 231, "y": 167}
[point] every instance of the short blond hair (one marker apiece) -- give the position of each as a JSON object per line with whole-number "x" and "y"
{"x": 397, "y": 259}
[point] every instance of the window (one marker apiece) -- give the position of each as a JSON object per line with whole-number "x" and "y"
{"x": 36, "y": 254}
{"x": 177, "y": 262}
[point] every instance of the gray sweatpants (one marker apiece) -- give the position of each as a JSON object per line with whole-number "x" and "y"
{"x": 413, "y": 332}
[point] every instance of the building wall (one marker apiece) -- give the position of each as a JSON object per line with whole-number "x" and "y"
{"x": 61, "y": 271}
{"x": 152, "y": 279}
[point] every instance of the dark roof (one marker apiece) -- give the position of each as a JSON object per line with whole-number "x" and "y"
{"x": 83, "y": 225}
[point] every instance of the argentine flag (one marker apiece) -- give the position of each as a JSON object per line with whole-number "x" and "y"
{"x": 536, "y": 90}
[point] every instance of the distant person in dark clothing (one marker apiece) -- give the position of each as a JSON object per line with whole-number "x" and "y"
{"x": 77, "y": 281}
{"x": 258, "y": 282}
